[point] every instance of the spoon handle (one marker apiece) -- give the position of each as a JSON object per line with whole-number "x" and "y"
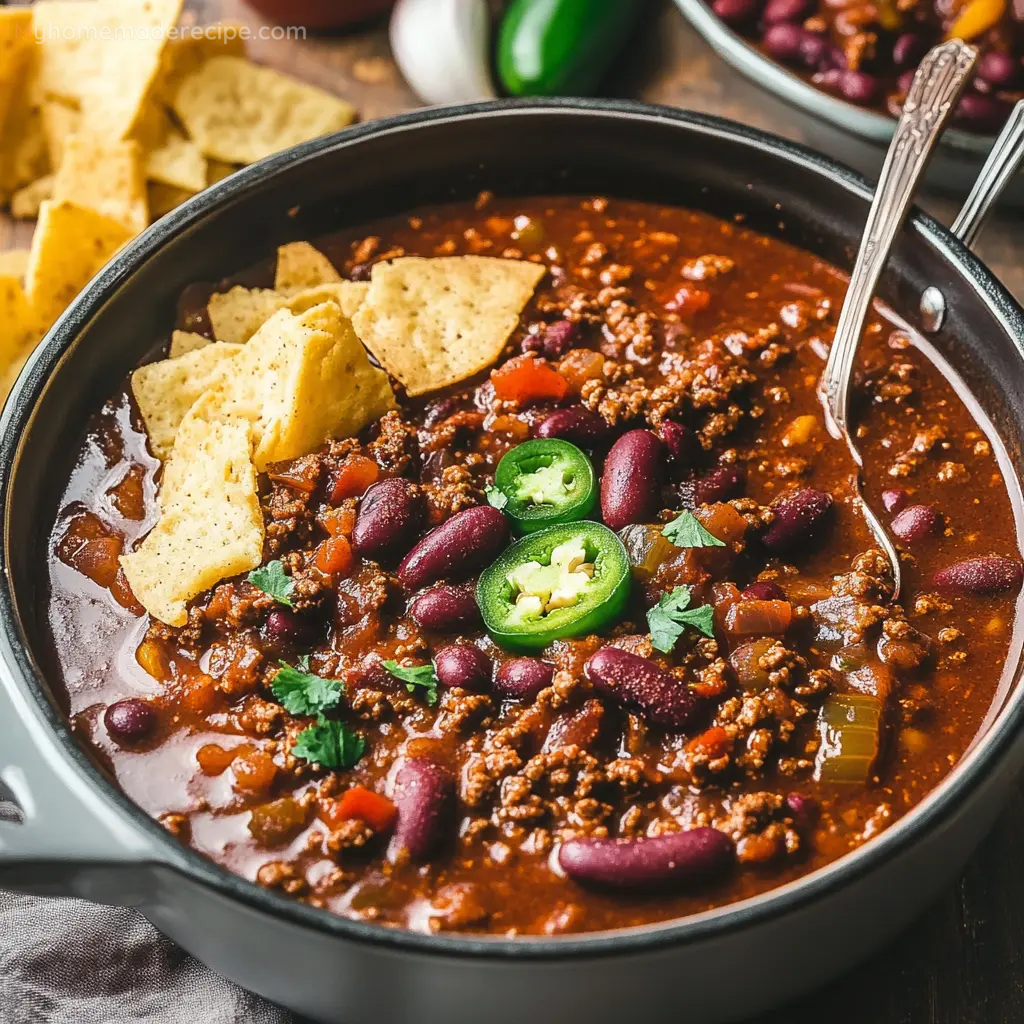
{"x": 931, "y": 99}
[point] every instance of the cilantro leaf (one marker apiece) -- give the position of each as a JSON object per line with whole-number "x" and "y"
{"x": 669, "y": 618}
{"x": 330, "y": 744}
{"x": 272, "y": 579}
{"x": 496, "y": 498}
{"x": 685, "y": 531}
{"x": 303, "y": 693}
{"x": 419, "y": 675}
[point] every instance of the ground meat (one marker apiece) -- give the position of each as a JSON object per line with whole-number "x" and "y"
{"x": 924, "y": 441}
{"x": 707, "y": 267}
{"x": 396, "y": 446}
{"x": 456, "y": 490}
{"x": 281, "y": 874}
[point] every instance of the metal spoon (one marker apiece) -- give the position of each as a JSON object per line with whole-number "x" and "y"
{"x": 936, "y": 87}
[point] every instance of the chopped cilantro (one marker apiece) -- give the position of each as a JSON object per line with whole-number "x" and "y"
{"x": 685, "y": 531}
{"x": 330, "y": 744}
{"x": 272, "y": 579}
{"x": 669, "y": 618}
{"x": 303, "y": 693}
{"x": 419, "y": 675}
{"x": 498, "y": 499}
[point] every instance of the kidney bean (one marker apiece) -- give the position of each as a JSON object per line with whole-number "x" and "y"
{"x": 735, "y": 12}
{"x": 130, "y": 720}
{"x": 446, "y": 608}
{"x": 579, "y": 729}
{"x": 632, "y": 479}
{"x": 859, "y": 87}
{"x": 719, "y": 485}
{"x": 666, "y": 861}
{"x": 986, "y": 575}
{"x": 798, "y": 515}
{"x": 784, "y": 41}
{"x": 830, "y": 78}
{"x": 457, "y": 548}
{"x": 763, "y": 590}
{"x": 980, "y": 113}
{"x": 783, "y": 10}
{"x": 803, "y": 808}
{"x": 285, "y": 627}
{"x": 438, "y": 411}
{"x": 894, "y": 500}
{"x": 523, "y": 678}
{"x": 464, "y": 666}
{"x": 680, "y": 442}
{"x": 816, "y": 51}
{"x": 639, "y": 683}
{"x": 904, "y": 82}
{"x": 424, "y": 795}
{"x": 389, "y": 516}
{"x": 1000, "y": 70}
{"x": 558, "y": 338}
{"x": 908, "y": 50}
{"x": 576, "y": 424}
{"x": 915, "y": 523}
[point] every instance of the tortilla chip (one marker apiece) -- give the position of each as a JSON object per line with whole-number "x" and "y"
{"x": 23, "y": 154}
{"x": 177, "y": 161}
{"x": 103, "y": 55}
{"x": 59, "y": 121}
{"x": 187, "y": 54}
{"x": 15, "y": 40}
{"x": 69, "y": 246}
{"x": 164, "y": 198}
{"x": 217, "y": 170}
{"x": 105, "y": 177}
{"x": 26, "y": 201}
{"x": 304, "y": 379}
{"x": 434, "y": 322}
{"x": 183, "y": 342}
{"x": 300, "y": 266}
{"x": 236, "y": 315}
{"x": 18, "y": 331}
{"x": 347, "y": 294}
{"x": 13, "y": 263}
{"x": 240, "y": 113}
{"x": 211, "y": 525}
{"x": 165, "y": 390}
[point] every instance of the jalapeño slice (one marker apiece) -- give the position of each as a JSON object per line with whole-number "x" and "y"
{"x": 544, "y": 483}
{"x": 568, "y": 580}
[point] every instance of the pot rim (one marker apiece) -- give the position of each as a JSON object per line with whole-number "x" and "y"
{"x": 977, "y": 765}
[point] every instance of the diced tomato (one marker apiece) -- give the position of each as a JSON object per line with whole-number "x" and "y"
{"x": 128, "y": 496}
{"x": 199, "y": 695}
{"x": 213, "y": 759}
{"x": 526, "y": 378}
{"x": 767, "y": 618}
{"x": 579, "y": 366}
{"x": 334, "y": 556}
{"x": 339, "y": 522}
{"x": 254, "y": 772}
{"x": 150, "y": 655}
{"x": 688, "y": 300}
{"x": 714, "y": 742}
{"x": 354, "y": 475}
{"x": 361, "y": 804}
{"x": 122, "y": 594}
{"x": 300, "y": 474}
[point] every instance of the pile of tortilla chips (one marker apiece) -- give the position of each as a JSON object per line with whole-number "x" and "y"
{"x": 111, "y": 114}
{"x": 287, "y": 370}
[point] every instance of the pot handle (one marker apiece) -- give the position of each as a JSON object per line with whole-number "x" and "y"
{"x": 1003, "y": 160}
{"x": 58, "y": 836}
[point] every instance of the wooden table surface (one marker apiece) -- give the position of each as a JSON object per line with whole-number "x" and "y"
{"x": 961, "y": 963}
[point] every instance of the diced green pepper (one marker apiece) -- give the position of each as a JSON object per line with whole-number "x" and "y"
{"x": 565, "y": 581}
{"x": 561, "y": 47}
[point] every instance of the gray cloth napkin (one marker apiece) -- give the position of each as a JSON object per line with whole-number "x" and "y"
{"x": 71, "y": 962}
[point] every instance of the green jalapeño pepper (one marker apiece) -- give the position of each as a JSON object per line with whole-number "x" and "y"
{"x": 568, "y": 580}
{"x": 543, "y": 483}
{"x": 561, "y": 47}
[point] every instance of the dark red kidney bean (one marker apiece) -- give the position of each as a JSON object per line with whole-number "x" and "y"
{"x": 361, "y": 272}
{"x": 579, "y": 729}
{"x": 642, "y": 685}
{"x": 815, "y": 49}
{"x": 894, "y": 500}
{"x": 285, "y": 627}
{"x": 736, "y": 12}
{"x": 130, "y": 720}
{"x": 830, "y": 79}
{"x": 798, "y": 515}
{"x": 904, "y": 82}
{"x": 784, "y": 41}
{"x": 632, "y": 479}
{"x": 908, "y": 50}
{"x": 446, "y": 608}
{"x": 680, "y": 442}
{"x": 532, "y": 343}
{"x": 667, "y": 861}
{"x": 915, "y": 523}
{"x": 763, "y": 590}
{"x": 718, "y": 485}
{"x": 464, "y": 666}
{"x": 389, "y": 517}
{"x": 523, "y": 678}
{"x": 986, "y": 575}
{"x": 558, "y": 338}
{"x": 803, "y": 808}
{"x": 783, "y": 10}
{"x": 438, "y": 411}
{"x": 859, "y": 87}
{"x": 1000, "y": 70}
{"x": 458, "y": 548}
{"x": 579, "y": 425}
{"x": 424, "y": 794}
{"x": 980, "y": 113}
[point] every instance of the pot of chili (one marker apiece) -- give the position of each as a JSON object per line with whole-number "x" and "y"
{"x": 705, "y": 581}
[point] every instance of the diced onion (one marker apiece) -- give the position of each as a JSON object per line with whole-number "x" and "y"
{"x": 850, "y": 729}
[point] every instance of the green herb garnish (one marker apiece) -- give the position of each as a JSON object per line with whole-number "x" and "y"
{"x": 495, "y": 497}
{"x": 669, "y": 618}
{"x": 272, "y": 579}
{"x": 330, "y": 744}
{"x": 301, "y": 692}
{"x": 685, "y": 531}
{"x": 419, "y": 676}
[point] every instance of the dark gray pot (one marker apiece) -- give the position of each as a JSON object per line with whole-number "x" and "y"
{"x": 81, "y": 836}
